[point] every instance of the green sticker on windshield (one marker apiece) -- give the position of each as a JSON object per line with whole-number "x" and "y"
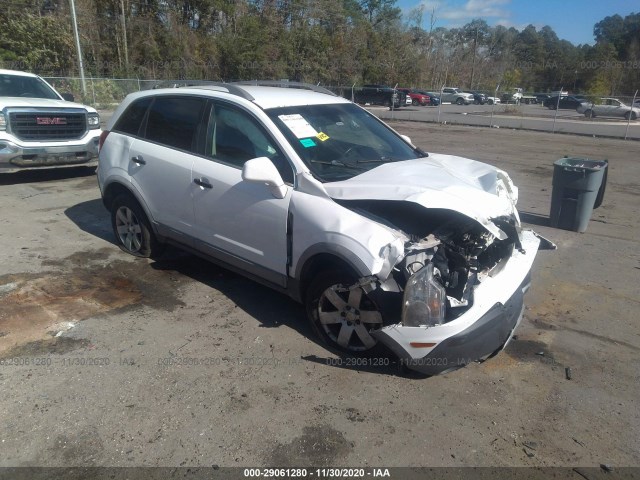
{"x": 307, "y": 142}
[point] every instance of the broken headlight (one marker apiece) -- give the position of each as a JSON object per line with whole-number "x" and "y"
{"x": 424, "y": 300}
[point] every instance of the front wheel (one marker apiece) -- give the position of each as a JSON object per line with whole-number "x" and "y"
{"x": 589, "y": 114}
{"x": 459, "y": 101}
{"x": 342, "y": 314}
{"x": 490, "y": 102}
{"x": 630, "y": 116}
{"x": 415, "y": 102}
{"x": 132, "y": 228}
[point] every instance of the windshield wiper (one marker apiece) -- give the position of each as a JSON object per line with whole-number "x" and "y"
{"x": 337, "y": 163}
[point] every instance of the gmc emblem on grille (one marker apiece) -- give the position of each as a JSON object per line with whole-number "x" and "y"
{"x": 51, "y": 120}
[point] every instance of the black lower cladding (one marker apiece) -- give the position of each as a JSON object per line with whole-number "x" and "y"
{"x": 486, "y": 336}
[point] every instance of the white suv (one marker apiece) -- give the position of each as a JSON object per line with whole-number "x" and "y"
{"x": 306, "y": 192}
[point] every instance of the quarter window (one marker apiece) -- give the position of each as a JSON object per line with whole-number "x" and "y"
{"x": 132, "y": 118}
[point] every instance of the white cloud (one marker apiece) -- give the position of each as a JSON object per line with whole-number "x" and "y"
{"x": 470, "y": 9}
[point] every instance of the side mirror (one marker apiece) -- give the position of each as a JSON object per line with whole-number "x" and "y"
{"x": 408, "y": 140}
{"x": 68, "y": 97}
{"x": 262, "y": 170}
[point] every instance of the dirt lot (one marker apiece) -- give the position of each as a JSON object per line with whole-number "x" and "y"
{"x": 109, "y": 360}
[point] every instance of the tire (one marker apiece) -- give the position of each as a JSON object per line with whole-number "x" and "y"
{"x": 415, "y": 102}
{"x": 476, "y": 102}
{"x": 342, "y": 318}
{"x": 460, "y": 101}
{"x": 132, "y": 229}
{"x": 589, "y": 114}
{"x": 490, "y": 102}
{"x": 630, "y": 116}
{"x": 551, "y": 106}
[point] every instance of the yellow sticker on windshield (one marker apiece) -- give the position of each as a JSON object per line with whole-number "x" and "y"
{"x": 322, "y": 136}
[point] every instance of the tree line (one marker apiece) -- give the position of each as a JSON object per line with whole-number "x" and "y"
{"x": 331, "y": 42}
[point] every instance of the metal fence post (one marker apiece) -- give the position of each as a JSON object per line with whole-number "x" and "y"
{"x": 557, "y": 108}
{"x": 630, "y": 114}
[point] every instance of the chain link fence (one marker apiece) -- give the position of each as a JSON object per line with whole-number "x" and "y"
{"x": 107, "y": 93}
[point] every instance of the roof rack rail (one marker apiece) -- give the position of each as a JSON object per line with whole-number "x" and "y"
{"x": 286, "y": 84}
{"x": 221, "y": 86}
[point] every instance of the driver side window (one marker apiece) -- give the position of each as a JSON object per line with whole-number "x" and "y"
{"x": 236, "y": 137}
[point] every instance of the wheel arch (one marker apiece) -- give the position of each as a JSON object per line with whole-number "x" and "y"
{"x": 115, "y": 188}
{"x": 317, "y": 260}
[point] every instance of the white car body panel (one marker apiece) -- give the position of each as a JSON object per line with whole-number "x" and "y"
{"x": 223, "y": 212}
{"x": 438, "y": 181}
{"x": 370, "y": 247}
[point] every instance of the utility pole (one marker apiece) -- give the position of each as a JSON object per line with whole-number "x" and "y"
{"x": 80, "y": 64}
{"x": 473, "y": 63}
{"x": 124, "y": 38}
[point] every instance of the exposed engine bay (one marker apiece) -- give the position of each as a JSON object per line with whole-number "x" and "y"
{"x": 460, "y": 249}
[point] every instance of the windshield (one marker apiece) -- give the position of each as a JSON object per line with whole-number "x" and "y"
{"x": 340, "y": 141}
{"x": 21, "y": 86}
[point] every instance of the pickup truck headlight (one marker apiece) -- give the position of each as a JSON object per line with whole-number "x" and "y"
{"x": 424, "y": 300}
{"x": 93, "y": 120}
{"x": 3, "y": 122}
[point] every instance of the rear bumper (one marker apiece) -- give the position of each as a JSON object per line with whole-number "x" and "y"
{"x": 15, "y": 156}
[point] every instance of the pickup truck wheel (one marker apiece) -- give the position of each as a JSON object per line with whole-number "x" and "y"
{"x": 342, "y": 315}
{"x": 132, "y": 228}
{"x": 460, "y": 101}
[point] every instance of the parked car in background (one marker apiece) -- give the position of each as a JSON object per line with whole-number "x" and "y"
{"x": 380, "y": 95}
{"x": 313, "y": 196}
{"x": 541, "y": 97}
{"x": 434, "y": 98}
{"x": 479, "y": 98}
{"x": 455, "y": 95}
{"x": 492, "y": 100}
{"x": 41, "y": 128}
{"x": 568, "y": 102}
{"x": 417, "y": 98}
{"x": 608, "y": 107}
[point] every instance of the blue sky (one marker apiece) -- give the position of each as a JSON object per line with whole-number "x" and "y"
{"x": 572, "y": 20}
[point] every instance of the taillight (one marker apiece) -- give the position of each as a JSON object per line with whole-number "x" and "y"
{"x": 103, "y": 137}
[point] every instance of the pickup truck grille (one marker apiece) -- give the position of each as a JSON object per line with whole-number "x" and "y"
{"x": 48, "y": 125}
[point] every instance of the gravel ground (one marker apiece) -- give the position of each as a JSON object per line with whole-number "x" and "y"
{"x": 114, "y": 361}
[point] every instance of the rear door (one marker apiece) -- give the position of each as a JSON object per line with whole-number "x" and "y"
{"x": 160, "y": 162}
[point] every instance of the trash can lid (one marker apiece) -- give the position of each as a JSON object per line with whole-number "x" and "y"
{"x": 581, "y": 163}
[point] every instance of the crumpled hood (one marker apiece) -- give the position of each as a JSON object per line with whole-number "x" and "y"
{"x": 20, "y": 102}
{"x": 438, "y": 181}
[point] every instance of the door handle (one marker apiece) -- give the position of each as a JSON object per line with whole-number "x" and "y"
{"x": 138, "y": 160}
{"x": 203, "y": 182}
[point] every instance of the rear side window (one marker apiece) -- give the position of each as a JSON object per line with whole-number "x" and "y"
{"x": 132, "y": 118}
{"x": 175, "y": 121}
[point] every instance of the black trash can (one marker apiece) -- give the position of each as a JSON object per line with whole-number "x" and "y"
{"x": 578, "y": 185}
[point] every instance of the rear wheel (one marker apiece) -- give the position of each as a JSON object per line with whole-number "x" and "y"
{"x": 490, "y": 102}
{"x": 342, "y": 314}
{"x": 589, "y": 114}
{"x": 132, "y": 228}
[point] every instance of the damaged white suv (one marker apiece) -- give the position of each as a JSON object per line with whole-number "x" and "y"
{"x": 310, "y": 194}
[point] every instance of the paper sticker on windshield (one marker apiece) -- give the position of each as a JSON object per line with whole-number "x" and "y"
{"x": 298, "y": 125}
{"x": 322, "y": 136}
{"x": 307, "y": 142}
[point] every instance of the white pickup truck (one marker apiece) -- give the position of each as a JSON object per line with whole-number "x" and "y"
{"x": 39, "y": 128}
{"x": 455, "y": 95}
